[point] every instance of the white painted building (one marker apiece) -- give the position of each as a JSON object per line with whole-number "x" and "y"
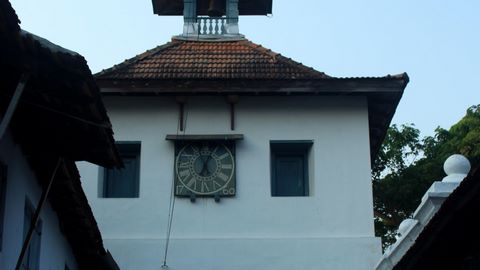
{"x": 51, "y": 115}
{"x": 19, "y": 198}
{"x": 238, "y": 157}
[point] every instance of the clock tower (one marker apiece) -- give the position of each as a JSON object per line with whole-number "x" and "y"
{"x": 238, "y": 157}
{"x": 211, "y": 19}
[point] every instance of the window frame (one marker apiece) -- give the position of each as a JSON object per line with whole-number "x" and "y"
{"x": 33, "y": 244}
{"x": 125, "y": 148}
{"x": 290, "y": 148}
{"x": 3, "y": 199}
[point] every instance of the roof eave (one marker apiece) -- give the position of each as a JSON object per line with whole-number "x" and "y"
{"x": 383, "y": 93}
{"x": 58, "y": 74}
{"x": 337, "y": 86}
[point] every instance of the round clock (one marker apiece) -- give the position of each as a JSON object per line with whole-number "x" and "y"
{"x": 205, "y": 168}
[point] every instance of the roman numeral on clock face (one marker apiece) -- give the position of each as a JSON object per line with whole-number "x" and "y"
{"x": 216, "y": 184}
{"x": 184, "y": 165}
{"x": 205, "y": 187}
{"x": 184, "y": 173}
{"x": 223, "y": 156}
{"x": 192, "y": 183}
{"x": 226, "y": 166}
{"x": 223, "y": 176}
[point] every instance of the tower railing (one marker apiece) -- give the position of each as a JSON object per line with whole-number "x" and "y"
{"x": 211, "y": 25}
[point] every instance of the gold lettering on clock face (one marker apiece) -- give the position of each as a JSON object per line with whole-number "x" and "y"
{"x": 204, "y": 167}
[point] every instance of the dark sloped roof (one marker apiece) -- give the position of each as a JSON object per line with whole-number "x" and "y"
{"x": 8, "y": 18}
{"x": 61, "y": 103}
{"x": 240, "y": 59}
{"x": 60, "y": 113}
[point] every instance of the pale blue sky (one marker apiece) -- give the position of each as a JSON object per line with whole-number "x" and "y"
{"x": 436, "y": 42}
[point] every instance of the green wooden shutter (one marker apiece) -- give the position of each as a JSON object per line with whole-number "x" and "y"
{"x": 289, "y": 172}
{"x": 31, "y": 261}
{"x": 3, "y": 193}
{"x": 124, "y": 182}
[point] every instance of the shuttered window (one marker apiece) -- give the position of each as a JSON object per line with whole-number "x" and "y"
{"x": 31, "y": 261}
{"x": 289, "y": 168}
{"x": 3, "y": 193}
{"x": 124, "y": 182}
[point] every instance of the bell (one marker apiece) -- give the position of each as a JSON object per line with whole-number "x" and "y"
{"x": 215, "y": 8}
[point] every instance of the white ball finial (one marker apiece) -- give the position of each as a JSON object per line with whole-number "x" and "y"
{"x": 456, "y": 167}
{"x": 405, "y": 225}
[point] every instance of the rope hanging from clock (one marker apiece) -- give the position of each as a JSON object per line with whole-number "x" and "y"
{"x": 171, "y": 206}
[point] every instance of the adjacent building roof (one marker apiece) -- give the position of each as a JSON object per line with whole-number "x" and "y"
{"x": 241, "y": 67}
{"x": 450, "y": 240}
{"x": 60, "y": 113}
{"x": 61, "y": 103}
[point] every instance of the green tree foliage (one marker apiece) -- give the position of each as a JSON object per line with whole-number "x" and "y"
{"x": 406, "y": 166}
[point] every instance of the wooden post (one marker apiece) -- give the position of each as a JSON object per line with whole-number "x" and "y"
{"x": 36, "y": 215}
{"x": 181, "y": 100}
{"x": 232, "y": 116}
{"x": 13, "y": 104}
{"x": 232, "y": 100}
{"x": 181, "y": 108}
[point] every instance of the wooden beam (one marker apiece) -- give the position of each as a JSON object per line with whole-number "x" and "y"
{"x": 13, "y": 104}
{"x": 214, "y": 137}
{"x": 181, "y": 100}
{"x": 36, "y": 215}
{"x": 232, "y": 100}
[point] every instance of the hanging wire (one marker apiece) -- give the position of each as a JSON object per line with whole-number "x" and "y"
{"x": 171, "y": 206}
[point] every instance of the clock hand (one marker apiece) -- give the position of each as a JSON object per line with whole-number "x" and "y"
{"x": 206, "y": 163}
{"x": 202, "y": 173}
{"x": 202, "y": 158}
{"x": 205, "y": 171}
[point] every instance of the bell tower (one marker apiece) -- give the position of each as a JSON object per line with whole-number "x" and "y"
{"x": 211, "y": 19}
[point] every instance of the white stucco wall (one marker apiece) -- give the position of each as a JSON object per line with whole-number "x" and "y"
{"x": 330, "y": 229}
{"x": 55, "y": 251}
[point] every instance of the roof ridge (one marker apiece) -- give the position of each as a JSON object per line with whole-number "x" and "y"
{"x": 138, "y": 57}
{"x": 286, "y": 60}
{"x": 260, "y": 48}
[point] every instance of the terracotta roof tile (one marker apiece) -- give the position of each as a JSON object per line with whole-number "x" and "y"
{"x": 239, "y": 59}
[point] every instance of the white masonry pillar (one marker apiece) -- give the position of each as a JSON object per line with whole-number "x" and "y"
{"x": 232, "y": 13}
{"x": 190, "y": 26}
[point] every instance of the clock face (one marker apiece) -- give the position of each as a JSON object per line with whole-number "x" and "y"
{"x": 206, "y": 169}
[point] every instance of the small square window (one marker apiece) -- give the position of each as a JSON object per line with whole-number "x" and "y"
{"x": 124, "y": 182}
{"x": 289, "y": 167}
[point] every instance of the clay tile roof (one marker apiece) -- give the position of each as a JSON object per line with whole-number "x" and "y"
{"x": 240, "y": 59}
